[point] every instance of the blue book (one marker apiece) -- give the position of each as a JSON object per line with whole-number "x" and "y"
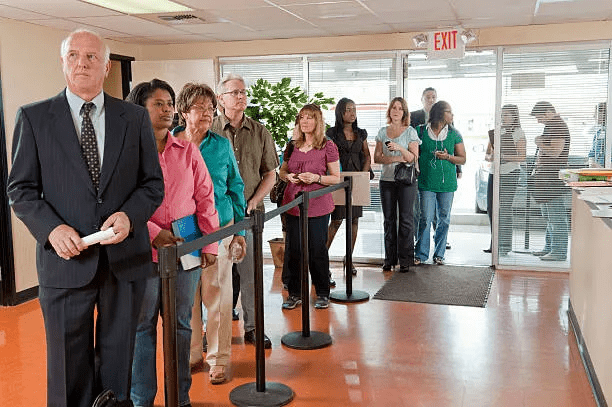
{"x": 187, "y": 228}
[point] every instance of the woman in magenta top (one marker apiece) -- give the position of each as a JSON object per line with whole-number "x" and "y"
{"x": 313, "y": 165}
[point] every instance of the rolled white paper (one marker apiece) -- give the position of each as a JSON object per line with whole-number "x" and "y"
{"x": 98, "y": 236}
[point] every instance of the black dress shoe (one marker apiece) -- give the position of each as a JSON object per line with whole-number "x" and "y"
{"x": 235, "y": 316}
{"x": 107, "y": 399}
{"x": 249, "y": 337}
{"x": 386, "y": 267}
{"x": 486, "y": 250}
{"x": 404, "y": 269}
{"x": 448, "y": 246}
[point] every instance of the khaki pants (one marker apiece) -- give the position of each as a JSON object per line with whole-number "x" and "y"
{"x": 215, "y": 292}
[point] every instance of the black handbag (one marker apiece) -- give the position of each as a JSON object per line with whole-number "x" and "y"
{"x": 278, "y": 190}
{"x": 405, "y": 174}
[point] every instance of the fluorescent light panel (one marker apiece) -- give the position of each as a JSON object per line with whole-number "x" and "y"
{"x": 140, "y": 7}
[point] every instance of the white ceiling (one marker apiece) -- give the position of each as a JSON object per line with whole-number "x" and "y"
{"x": 234, "y": 20}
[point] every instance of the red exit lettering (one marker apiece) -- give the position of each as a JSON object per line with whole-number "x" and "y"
{"x": 445, "y": 40}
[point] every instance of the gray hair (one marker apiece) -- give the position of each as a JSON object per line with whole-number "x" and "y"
{"x": 226, "y": 78}
{"x": 66, "y": 43}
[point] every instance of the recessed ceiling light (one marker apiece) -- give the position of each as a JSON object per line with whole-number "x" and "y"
{"x": 140, "y": 7}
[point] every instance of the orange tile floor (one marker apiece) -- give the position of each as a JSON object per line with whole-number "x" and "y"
{"x": 518, "y": 351}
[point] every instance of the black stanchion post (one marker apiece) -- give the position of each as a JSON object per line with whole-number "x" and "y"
{"x": 306, "y": 339}
{"x": 260, "y": 393}
{"x": 349, "y": 295}
{"x": 304, "y": 265}
{"x": 168, "y": 266}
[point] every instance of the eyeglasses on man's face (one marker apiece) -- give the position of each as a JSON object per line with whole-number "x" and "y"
{"x": 236, "y": 92}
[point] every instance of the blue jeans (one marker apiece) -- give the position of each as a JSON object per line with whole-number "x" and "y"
{"x": 557, "y": 226}
{"x": 144, "y": 370}
{"x": 438, "y": 204}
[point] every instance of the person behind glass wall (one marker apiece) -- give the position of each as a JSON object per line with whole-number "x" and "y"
{"x": 597, "y": 154}
{"x": 188, "y": 190}
{"x": 397, "y": 143}
{"x": 196, "y": 104}
{"x": 442, "y": 150}
{"x": 313, "y": 164}
{"x": 548, "y": 191}
{"x": 352, "y": 143}
{"x": 512, "y": 154}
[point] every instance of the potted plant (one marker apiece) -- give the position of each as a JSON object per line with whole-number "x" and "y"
{"x": 276, "y": 106}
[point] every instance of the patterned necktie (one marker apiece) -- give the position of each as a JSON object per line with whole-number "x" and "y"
{"x": 89, "y": 145}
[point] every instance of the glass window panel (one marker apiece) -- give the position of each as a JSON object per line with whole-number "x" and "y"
{"x": 574, "y": 80}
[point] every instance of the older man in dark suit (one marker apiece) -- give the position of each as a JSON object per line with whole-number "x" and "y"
{"x": 83, "y": 162}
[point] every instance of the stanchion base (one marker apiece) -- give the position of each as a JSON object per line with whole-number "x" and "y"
{"x": 356, "y": 296}
{"x": 316, "y": 340}
{"x": 275, "y": 394}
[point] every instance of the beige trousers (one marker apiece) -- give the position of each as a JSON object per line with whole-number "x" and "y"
{"x": 215, "y": 292}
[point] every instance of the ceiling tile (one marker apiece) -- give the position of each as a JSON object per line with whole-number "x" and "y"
{"x": 128, "y": 25}
{"x": 175, "y": 39}
{"x": 328, "y": 13}
{"x": 213, "y": 28}
{"x": 267, "y": 18}
{"x": 68, "y": 25}
{"x": 570, "y": 11}
{"x": 19, "y": 14}
{"x": 364, "y": 29}
{"x": 226, "y": 5}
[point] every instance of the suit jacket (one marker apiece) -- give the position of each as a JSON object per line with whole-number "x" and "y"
{"x": 49, "y": 185}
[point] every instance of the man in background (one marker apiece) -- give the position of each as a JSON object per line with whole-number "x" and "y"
{"x": 257, "y": 161}
{"x": 551, "y": 156}
{"x": 83, "y": 162}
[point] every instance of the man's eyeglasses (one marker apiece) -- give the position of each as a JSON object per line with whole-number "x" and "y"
{"x": 236, "y": 92}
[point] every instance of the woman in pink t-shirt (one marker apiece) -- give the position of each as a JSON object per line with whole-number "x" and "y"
{"x": 313, "y": 164}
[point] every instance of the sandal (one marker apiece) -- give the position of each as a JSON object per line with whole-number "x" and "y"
{"x": 217, "y": 374}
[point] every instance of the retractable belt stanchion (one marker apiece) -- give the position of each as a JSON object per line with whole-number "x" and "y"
{"x": 168, "y": 269}
{"x": 349, "y": 295}
{"x": 306, "y": 339}
{"x": 260, "y": 393}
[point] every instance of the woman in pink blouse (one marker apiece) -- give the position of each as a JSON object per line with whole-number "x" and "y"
{"x": 188, "y": 190}
{"x": 313, "y": 164}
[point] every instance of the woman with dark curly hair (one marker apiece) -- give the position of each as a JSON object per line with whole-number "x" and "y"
{"x": 352, "y": 143}
{"x": 442, "y": 150}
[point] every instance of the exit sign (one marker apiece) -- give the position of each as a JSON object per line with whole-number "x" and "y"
{"x": 445, "y": 44}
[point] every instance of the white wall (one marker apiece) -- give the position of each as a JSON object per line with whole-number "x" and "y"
{"x": 176, "y": 72}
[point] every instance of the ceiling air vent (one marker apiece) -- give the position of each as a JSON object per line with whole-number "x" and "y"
{"x": 182, "y": 19}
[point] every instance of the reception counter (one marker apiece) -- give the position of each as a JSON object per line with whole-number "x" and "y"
{"x": 590, "y": 283}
